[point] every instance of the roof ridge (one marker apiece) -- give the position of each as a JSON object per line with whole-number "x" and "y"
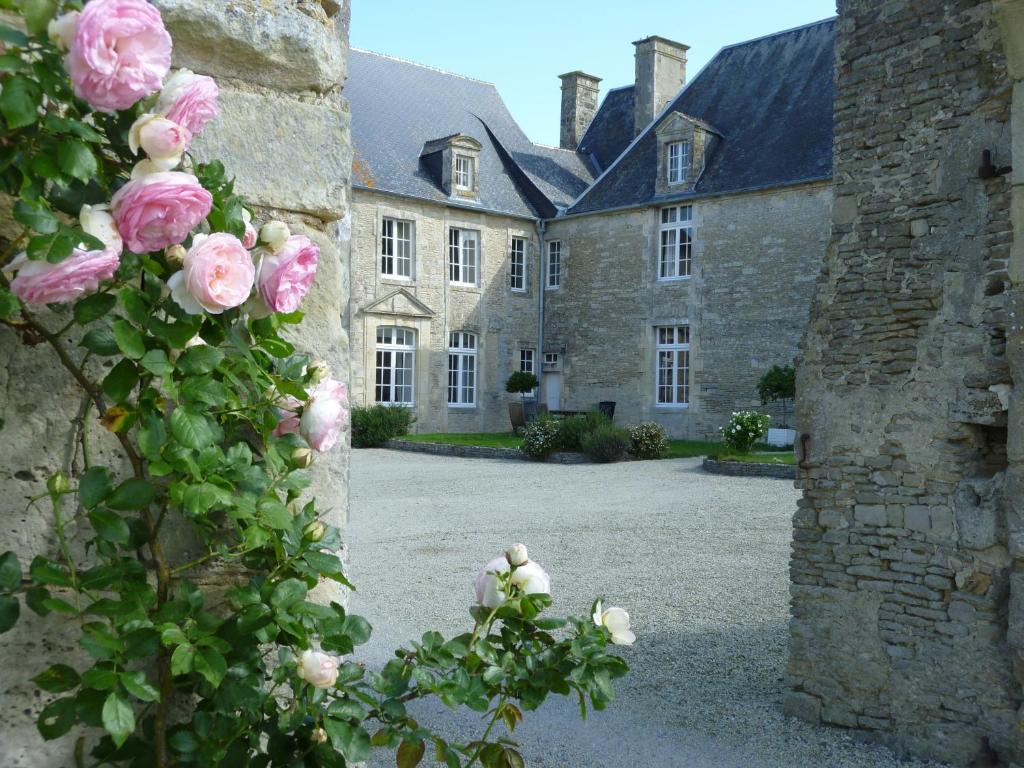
{"x": 424, "y": 66}
{"x": 550, "y": 146}
{"x": 777, "y": 34}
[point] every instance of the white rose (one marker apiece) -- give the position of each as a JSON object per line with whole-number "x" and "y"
{"x": 61, "y": 30}
{"x": 616, "y": 621}
{"x": 517, "y": 555}
{"x": 529, "y": 578}
{"x": 318, "y": 669}
{"x": 275, "y": 234}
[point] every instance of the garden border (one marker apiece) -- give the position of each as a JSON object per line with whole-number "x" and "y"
{"x": 481, "y": 452}
{"x": 749, "y": 469}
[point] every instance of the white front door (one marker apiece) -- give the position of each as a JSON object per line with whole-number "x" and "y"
{"x": 553, "y": 391}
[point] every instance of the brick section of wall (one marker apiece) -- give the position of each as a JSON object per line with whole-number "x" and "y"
{"x": 755, "y": 260}
{"x": 505, "y": 321}
{"x": 900, "y": 565}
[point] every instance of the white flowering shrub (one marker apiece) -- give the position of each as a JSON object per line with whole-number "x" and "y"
{"x": 648, "y": 441}
{"x": 744, "y": 429}
{"x": 540, "y": 439}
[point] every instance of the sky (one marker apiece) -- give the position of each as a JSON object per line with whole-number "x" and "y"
{"x": 523, "y": 46}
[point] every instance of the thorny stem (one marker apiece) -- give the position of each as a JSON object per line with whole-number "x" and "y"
{"x": 490, "y": 727}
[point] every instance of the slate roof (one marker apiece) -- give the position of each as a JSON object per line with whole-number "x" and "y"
{"x": 769, "y": 98}
{"x": 611, "y": 130}
{"x": 398, "y": 106}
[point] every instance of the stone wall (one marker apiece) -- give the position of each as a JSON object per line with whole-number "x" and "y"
{"x": 284, "y": 131}
{"x": 755, "y": 260}
{"x": 504, "y": 321}
{"x": 907, "y": 543}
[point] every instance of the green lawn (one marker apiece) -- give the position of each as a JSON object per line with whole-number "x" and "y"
{"x": 678, "y": 449}
{"x": 775, "y": 457}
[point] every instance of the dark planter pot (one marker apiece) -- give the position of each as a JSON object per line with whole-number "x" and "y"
{"x": 517, "y": 415}
{"x": 530, "y": 410}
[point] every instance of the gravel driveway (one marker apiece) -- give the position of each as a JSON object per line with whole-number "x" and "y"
{"x": 699, "y": 561}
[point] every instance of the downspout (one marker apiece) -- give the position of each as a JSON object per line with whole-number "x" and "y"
{"x": 542, "y": 226}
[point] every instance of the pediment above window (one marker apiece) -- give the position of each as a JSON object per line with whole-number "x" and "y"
{"x": 398, "y": 303}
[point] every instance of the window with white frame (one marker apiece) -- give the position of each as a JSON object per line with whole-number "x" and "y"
{"x": 672, "y": 344}
{"x": 396, "y": 248}
{"x": 551, "y": 361}
{"x": 461, "y": 369}
{"x": 396, "y": 356}
{"x": 463, "y": 253}
{"x": 517, "y": 271}
{"x": 527, "y": 364}
{"x": 464, "y": 172}
{"x": 554, "y": 264}
{"x": 676, "y": 252}
{"x": 678, "y": 161}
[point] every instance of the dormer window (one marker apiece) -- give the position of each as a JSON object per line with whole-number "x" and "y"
{"x": 464, "y": 173}
{"x": 678, "y": 161}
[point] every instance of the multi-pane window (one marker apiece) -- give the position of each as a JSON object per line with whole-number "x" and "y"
{"x": 554, "y": 264}
{"x": 396, "y": 352}
{"x": 526, "y": 361}
{"x": 676, "y": 242}
{"x": 517, "y": 273}
{"x": 678, "y": 161}
{"x": 464, "y": 172}
{"x": 463, "y": 252}
{"x": 461, "y": 369}
{"x": 396, "y": 248}
{"x": 673, "y": 370}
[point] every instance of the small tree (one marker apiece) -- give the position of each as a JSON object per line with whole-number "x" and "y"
{"x": 521, "y": 382}
{"x": 778, "y": 385}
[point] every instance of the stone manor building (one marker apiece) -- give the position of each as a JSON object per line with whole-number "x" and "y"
{"x": 662, "y": 258}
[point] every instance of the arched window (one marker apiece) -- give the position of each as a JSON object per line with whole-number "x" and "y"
{"x": 396, "y": 365}
{"x": 461, "y": 369}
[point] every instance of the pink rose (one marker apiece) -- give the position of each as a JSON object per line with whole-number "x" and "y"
{"x": 217, "y": 274}
{"x": 286, "y": 276}
{"x": 163, "y": 140}
{"x": 251, "y": 235}
{"x": 324, "y": 415}
{"x": 119, "y": 54}
{"x": 289, "y": 414}
{"x": 40, "y": 282}
{"x": 189, "y": 99}
{"x": 158, "y": 210}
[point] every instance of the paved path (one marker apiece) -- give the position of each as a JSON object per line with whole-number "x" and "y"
{"x": 699, "y": 561}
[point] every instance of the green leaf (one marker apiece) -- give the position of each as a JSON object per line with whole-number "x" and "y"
{"x": 51, "y": 248}
{"x": 9, "y": 304}
{"x": 287, "y": 593}
{"x": 57, "y": 679}
{"x": 184, "y": 742}
{"x": 37, "y": 14}
{"x": 410, "y": 753}
{"x": 129, "y": 339}
{"x": 118, "y": 718}
{"x": 155, "y": 361}
{"x": 183, "y": 659}
{"x": 99, "y": 678}
{"x": 10, "y": 571}
{"x": 100, "y": 341}
{"x": 152, "y": 435}
{"x": 357, "y": 628}
{"x": 10, "y": 609}
{"x": 199, "y": 360}
{"x": 110, "y": 526}
{"x": 139, "y": 686}
{"x": 134, "y": 493}
{"x": 35, "y": 599}
{"x": 175, "y": 334}
{"x": 12, "y": 62}
{"x": 44, "y": 571}
{"x": 204, "y": 389}
{"x": 56, "y": 718}
{"x": 93, "y": 307}
{"x": 352, "y": 742}
{"x": 94, "y": 486}
{"x": 77, "y": 160}
{"x": 121, "y": 380}
{"x": 191, "y": 429}
{"x": 19, "y": 102}
{"x": 36, "y": 216}
{"x": 12, "y": 36}
{"x": 211, "y": 665}
{"x": 274, "y": 514}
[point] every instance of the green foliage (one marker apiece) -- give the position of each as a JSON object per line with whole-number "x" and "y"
{"x": 606, "y": 444}
{"x": 573, "y": 430}
{"x": 540, "y": 439}
{"x": 374, "y": 426}
{"x": 778, "y": 385}
{"x": 521, "y": 382}
{"x": 648, "y": 441}
{"x": 744, "y": 429}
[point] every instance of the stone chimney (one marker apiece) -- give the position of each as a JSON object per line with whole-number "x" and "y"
{"x": 579, "y": 105}
{"x": 660, "y": 74}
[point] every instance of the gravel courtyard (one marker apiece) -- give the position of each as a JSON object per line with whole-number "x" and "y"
{"x": 699, "y": 561}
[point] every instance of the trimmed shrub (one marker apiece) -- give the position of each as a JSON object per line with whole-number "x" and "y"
{"x": 372, "y": 427}
{"x": 571, "y": 431}
{"x": 606, "y": 444}
{"x": 744, "y": 429}
{"x": 540, "y": 439}
{"x": 521, "y": 382}
{"x": 648, "y": 441}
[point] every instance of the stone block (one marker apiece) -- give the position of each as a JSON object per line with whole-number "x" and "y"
{"x": 285, "y": 153}
{"x": 802, "y": 705}
{"x": 1010, "y": 16}
{"x": 279, "y": 47}
{"x": 870, "y": 514}
{"x": 917, "y": 518}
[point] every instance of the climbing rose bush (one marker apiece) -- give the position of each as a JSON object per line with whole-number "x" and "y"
{"x": 744, "y": 429}
{"x": 151, "y": 282}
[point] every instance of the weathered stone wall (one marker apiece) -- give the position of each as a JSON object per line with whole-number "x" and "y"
{"x": 755, "y": 260}
{"x": 505, "y": 321}
{"x": 284, "y": 132}
{"x": 907, "y": 540}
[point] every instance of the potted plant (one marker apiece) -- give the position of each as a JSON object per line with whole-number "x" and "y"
{"x": 778, "y": 385}
{"x": 520, "y": 413}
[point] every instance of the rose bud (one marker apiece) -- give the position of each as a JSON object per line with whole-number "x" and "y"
{"x": 517, "y": 555}
{"x": 275, "y": 234}
{"x": 61, "y": 30}
{"x": 616, "y": 621}
{"x": 315, "y": 531}
{"x": 175, "y": 255}
{"x": 318, "y": 371}
{"x": 303, "y": 458}
{"x": 318, "y": 736}
{"x": 162, "y": 140}
{"x": 57, "y": 483}
{"x": 318, "y": 669}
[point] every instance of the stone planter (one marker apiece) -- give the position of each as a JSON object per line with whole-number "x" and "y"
{"x": 749, "y": 469}
{"x": 779, "y": 437}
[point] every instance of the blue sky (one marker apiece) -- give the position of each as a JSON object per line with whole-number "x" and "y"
{"x": 523, "y": 46}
